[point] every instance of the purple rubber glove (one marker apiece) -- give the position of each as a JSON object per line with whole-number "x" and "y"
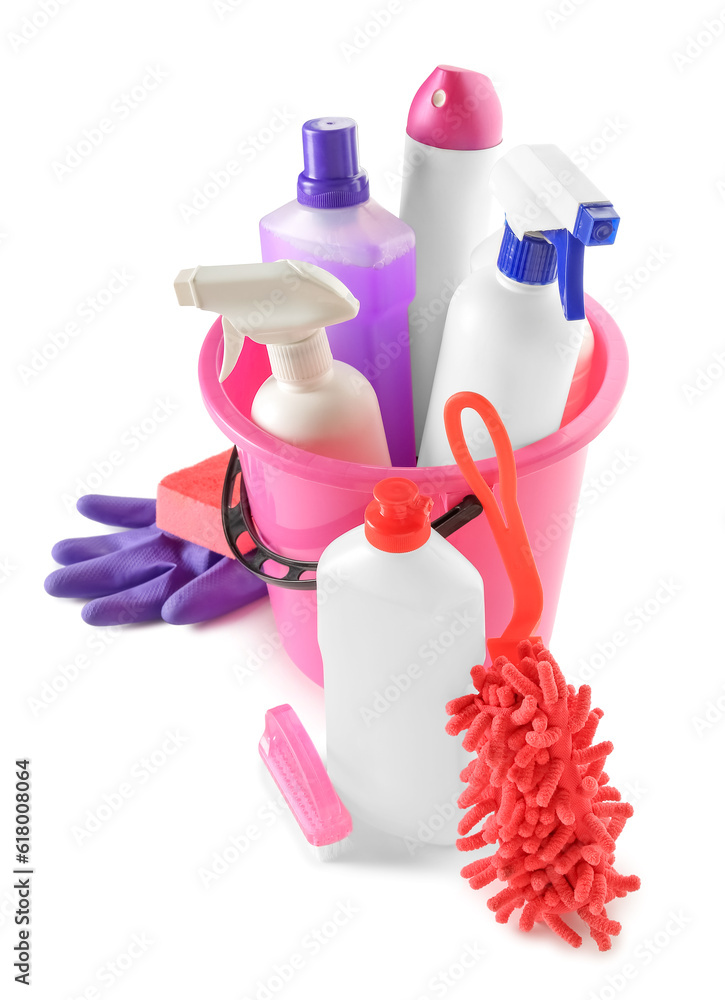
{"x": 143, "y": 573}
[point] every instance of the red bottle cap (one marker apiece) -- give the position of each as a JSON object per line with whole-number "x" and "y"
{"x": 456, "y": 109}
{"x": 398, "y": 519}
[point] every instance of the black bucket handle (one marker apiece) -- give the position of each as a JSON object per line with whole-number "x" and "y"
{"x": 237, "y": 519}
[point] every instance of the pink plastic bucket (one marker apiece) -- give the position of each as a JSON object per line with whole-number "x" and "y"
{"x": 301, "y": 502}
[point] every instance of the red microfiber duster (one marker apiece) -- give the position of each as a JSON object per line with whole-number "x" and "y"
{"x": 537, "y": 786}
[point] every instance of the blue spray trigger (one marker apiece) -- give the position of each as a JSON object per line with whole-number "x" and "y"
{"x": 570, "y": 270}
{"x": 596, "y": 225}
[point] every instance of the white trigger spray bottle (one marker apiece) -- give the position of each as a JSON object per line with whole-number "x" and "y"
{"x": 310, "y": 401}
{"x": 512, "y": 333}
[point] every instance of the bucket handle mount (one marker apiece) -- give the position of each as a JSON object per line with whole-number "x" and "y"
{"x": 237, "y": 519}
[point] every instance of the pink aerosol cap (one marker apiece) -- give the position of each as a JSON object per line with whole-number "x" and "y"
{"x": 456, "y": 109}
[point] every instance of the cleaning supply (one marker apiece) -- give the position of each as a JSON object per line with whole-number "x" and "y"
{"x": 310, "y": 400}
{"x": 511, "y": 333}
{"x": 187, "y": 504}
{"x": 301, "y": 503}
{"x": 291, "y": 758}
{"x": 336, "y": 224}
{"x": 537, "y": 787}
{"x": 399, "y": 616}
{"x": 452, "y": 140}
{"x": 143, "y": 573}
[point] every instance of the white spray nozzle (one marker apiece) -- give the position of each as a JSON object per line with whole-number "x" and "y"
{"x": 544, "y": 193}
{"x": 278, "y": 304}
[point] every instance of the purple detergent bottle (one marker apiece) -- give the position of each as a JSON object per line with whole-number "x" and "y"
{"x": 335, "y": 224}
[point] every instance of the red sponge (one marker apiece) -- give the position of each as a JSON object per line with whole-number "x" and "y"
{"x": 188, "y": 504}
{"x": 541, "y": 783}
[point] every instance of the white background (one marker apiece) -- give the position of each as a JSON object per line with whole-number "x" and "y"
{"x": 603, "y": 80}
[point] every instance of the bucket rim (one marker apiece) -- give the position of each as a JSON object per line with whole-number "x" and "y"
{"x": 573, "y": 437}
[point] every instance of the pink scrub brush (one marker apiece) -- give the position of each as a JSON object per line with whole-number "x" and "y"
{"x": 537, "y": 784}
{"x": 295, "y": 765}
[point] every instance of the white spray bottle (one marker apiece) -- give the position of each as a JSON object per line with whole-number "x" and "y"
{"x": 512, "y": 334}
{"x": 400, "y": 622}
{"x": 452, "y": 140}
{"x": 310, "y": 400}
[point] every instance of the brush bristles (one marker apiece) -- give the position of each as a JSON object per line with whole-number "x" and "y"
{"x": 330, "y": 852}
{"x": 539, "y": 789}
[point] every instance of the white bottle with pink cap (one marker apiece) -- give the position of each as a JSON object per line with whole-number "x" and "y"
{"x": 453, "y": 139}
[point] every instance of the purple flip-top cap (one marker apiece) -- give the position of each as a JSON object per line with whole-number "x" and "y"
{"x": 332, "y": 177}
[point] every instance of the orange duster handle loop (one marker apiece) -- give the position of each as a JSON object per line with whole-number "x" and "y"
{"x": 510, "y": 534}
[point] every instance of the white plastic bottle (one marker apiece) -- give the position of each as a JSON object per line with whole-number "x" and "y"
{"x": 400, "y": 625}
{"x": 581, "y": 378}
{"x": 452, "y": 140}
{"x": 310, "y": 400}
{"x": 512, "y": 333}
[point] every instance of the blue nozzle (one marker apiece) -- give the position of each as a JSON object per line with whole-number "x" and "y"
{"x": 538, "y": 258}
{"x": 545, "y": 195}
{"x": 596, "y": 225}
